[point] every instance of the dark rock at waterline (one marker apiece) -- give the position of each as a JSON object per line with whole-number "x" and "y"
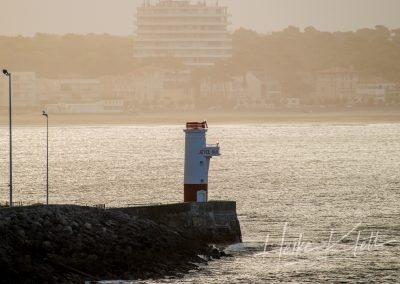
{"x": 70, "y": 244}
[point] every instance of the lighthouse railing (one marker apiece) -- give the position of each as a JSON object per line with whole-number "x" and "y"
{"x": 196, "y": 125}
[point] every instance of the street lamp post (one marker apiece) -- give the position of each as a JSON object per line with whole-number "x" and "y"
{"x": 5, "y": 72}
{"x": 47, "y": 157}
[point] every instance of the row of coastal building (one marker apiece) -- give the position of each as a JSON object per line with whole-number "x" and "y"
{"x": 196, "y": 34}
{"x": 160, "y": 89}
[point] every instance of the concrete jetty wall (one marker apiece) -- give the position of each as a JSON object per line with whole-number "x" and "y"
{"x": 213, "y": 221}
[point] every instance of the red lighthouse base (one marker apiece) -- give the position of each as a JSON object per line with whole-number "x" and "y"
{"x": 195, "y": 193}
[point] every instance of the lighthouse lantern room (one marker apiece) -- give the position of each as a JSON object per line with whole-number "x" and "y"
{"x": 197, "y": 162}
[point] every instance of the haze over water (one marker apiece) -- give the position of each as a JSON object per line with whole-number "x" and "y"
{"x": 296, "y": 185}
{"x": 315, "y": 177}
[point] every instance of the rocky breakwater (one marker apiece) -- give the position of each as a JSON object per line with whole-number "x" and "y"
{"x": 70, "y": 244}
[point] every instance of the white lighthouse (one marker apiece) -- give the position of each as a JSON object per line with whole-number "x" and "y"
{"x": 197, "y": 162}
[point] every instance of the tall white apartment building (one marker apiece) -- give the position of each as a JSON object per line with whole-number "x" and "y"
{"x": 195, "y": 32}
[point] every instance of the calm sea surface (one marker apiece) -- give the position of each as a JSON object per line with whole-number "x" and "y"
{"x": 317, "y": 192}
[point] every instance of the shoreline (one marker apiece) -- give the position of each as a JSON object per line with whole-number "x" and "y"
{"x": 221, "y": 117}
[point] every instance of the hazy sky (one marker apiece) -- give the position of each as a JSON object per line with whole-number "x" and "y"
{"x": 26, "y": 17}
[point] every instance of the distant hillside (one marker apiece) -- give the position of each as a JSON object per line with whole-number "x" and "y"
{"x": 372, "y": 52}
{"x": 76, "y": 55}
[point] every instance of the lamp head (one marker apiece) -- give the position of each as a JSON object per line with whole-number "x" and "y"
{"x": 5, "y": 72}
{"x": 44, "y": 113}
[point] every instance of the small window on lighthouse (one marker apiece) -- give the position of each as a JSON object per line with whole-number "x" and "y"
{"x": 201, "y": 196}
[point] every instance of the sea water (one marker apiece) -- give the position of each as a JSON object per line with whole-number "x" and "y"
{"x": 316, "y": 202}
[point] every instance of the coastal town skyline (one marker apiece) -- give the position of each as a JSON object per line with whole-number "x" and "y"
{"x": 184, "y": 57}
{"x": 26, "y": 18}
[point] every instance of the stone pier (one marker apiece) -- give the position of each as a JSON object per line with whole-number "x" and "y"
{"x": 214, "y": 221}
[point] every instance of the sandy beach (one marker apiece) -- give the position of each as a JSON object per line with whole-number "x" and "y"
{"x": 221, "y": 116}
